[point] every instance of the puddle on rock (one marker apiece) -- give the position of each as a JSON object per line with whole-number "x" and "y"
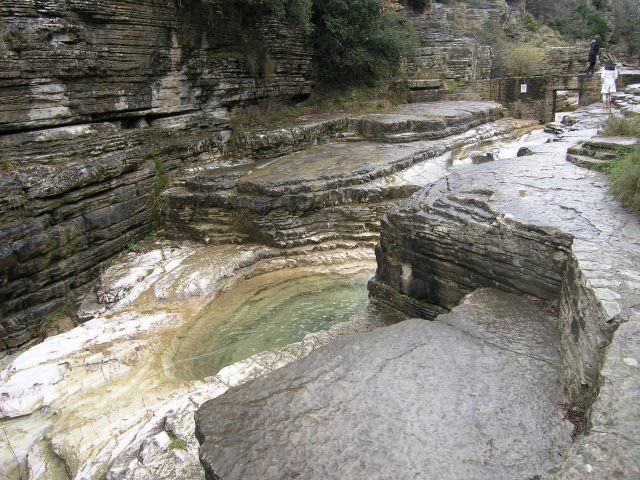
{"x": 265, "y": 312}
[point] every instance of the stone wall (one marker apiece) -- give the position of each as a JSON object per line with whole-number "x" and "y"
{"x": 534, "y": 97}
{"x": 524, "y": 97}
{"x": 436, "y": 248}
{"x": 99, "y": 102}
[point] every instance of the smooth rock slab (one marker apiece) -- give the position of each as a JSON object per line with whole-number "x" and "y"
{"x": 475, "y": 395}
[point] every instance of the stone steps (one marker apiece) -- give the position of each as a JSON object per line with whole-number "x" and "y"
{"x": 318, "y": 194}
{"x": 597, "y": 153}
{"x": 587, "y": 162}
{"x": 414, "y": 122}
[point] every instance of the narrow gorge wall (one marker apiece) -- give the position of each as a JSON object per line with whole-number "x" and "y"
{"x": 85, "y": 60}
{"x": 99, "y": 101}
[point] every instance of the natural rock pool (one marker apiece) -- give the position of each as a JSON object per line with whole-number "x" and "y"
{"x": 265, "y": 312}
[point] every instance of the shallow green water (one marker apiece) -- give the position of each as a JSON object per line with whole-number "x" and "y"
{"x": 266, "y": 313}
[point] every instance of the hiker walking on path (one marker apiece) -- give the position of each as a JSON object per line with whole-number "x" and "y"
{"x": 594, "y": 48}
{"x": 609, "y": 76}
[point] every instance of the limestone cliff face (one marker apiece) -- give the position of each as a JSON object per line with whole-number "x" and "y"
{"x": 99, "y": 101}
{"x": 444, "y": 50}
{"x": 448, "y": 47}
{"x": 85, "y": 60}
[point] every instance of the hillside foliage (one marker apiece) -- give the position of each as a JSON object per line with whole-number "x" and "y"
{"x": 615, "y": 21}
{"x": 358, "y": 41}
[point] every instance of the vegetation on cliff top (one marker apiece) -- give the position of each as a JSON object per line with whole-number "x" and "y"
{"x": 358, "y": 41}
{"x": 614, "y": 20}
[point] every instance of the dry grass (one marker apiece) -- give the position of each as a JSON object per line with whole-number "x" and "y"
{"x": 523, "y": 59}
{"x": 626, "y": 126}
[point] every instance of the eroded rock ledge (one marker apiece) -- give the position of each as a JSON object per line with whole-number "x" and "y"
{"x": 521, "y": 225}
{"x": 525, "y": 225}
{"x": 63, "y": 217}
{"x": 459, "y": 398}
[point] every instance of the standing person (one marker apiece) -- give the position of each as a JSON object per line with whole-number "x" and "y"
{"x": 594, "y": 48}
{"x": 609, "y": 76}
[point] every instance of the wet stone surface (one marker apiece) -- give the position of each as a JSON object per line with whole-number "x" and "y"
{"x": 541, "y": 225}
{"x": 465, "y": 397}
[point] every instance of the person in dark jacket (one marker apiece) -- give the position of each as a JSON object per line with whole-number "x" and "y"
{"x": 594, "y": 48}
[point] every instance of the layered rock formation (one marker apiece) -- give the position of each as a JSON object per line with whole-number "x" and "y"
{"x": 99, "y": 102}
{"x": 445, "y": 51}
{"x": 333, "y": 191}
{"x": 86, "y": 60}
{"x": 526, "y": 226}
{"x": 96, "y": 401}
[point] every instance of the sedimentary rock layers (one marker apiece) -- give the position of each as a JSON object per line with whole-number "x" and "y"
{"x": 99, "y": 102}
{"x": 525, "y": 225}
{"x": 337, "y": 190}
{"x": 70, "y": 62}
{"x": 442, "y": 244}
{"x": 61, "y": 215}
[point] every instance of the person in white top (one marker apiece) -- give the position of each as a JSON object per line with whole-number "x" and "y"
{"x": 609, "y": 76}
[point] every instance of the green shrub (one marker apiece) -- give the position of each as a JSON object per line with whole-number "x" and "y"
{"x": 529, "y": 22}
{"x": 295, "y": 11}
{"x": 523, "y": 59}
{"x": 582, "y": 21}
{"x": 626, "y": 18}
{"x": 358, "y": 42}
{"x": 624, "y": 173}
{"x": 418, "y": 5}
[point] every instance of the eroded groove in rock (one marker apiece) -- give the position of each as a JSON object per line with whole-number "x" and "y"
{"x": 525, "y": 225}
{"x": 438, "y": 247}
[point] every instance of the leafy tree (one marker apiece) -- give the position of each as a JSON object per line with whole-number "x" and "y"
{"x": 573, "y": 18}
{"x": 626, "y": 14}
{"x": 297, "y": 11}
{"x": 358, "y": 41}
{"x": 418, "y": 5}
